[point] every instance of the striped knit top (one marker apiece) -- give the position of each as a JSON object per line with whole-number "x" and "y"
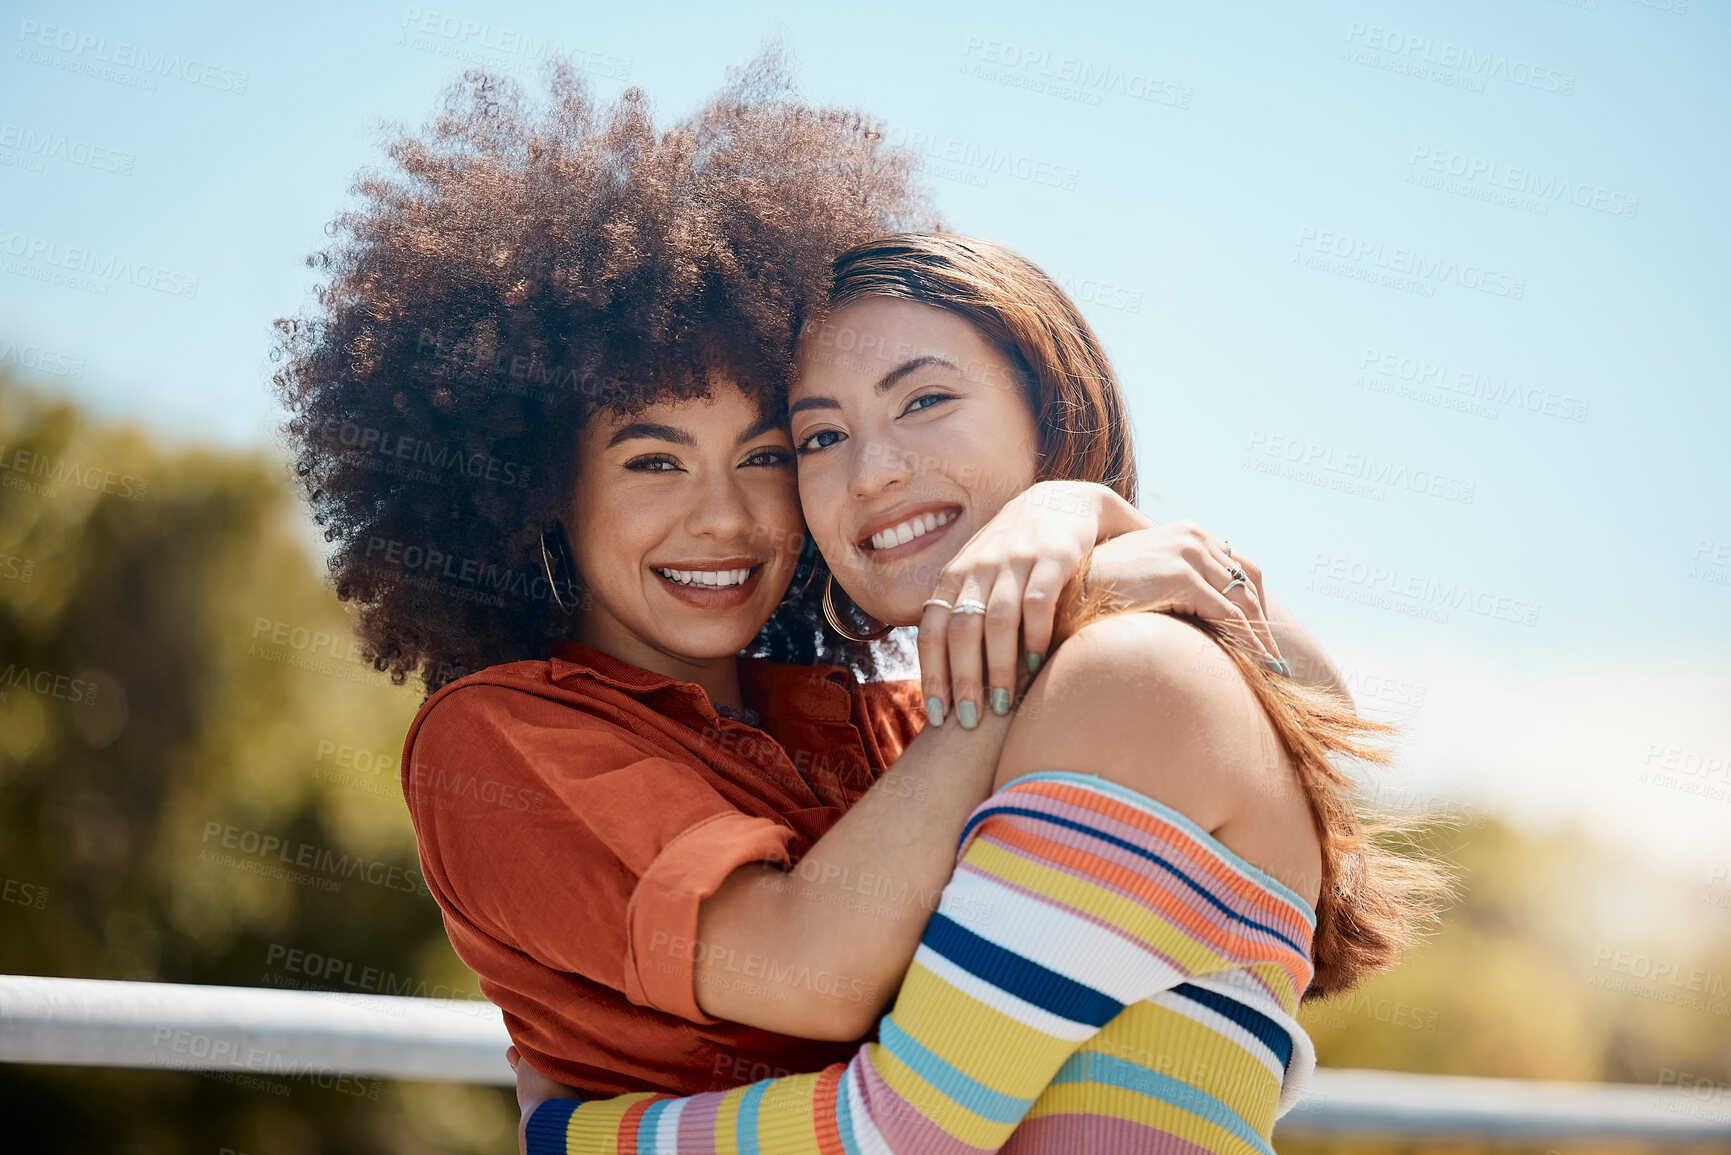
{"x": 1210, "y": 1061}
{"x": 1101, "y": 975}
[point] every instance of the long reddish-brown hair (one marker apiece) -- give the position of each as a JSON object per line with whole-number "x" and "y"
{"x": 1375, "y": 899}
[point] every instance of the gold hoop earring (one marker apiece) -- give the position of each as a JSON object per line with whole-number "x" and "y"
{"x": 834, "y": 619}
{"x": 547, "y": 567}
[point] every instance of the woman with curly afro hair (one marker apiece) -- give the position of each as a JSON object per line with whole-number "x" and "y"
{"x": 541, "y": 413}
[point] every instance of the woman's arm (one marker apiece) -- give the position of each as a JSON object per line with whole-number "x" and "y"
{"x": 1019, "y": 563}
{"x": 1084, "y": 901}
{"x": 1181, "y": 566}
{"x": 853, "y": 908}
{"x": 1068, "y": 904}
{"x": 818, "y": 952}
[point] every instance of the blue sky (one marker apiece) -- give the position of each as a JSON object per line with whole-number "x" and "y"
{"x": 1422, "y": 305}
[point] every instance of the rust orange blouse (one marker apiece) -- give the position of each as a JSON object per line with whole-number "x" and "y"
{"x": 572, "y": 814}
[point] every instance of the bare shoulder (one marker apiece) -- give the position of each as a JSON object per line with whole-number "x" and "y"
{"x": 1153, "y": 703}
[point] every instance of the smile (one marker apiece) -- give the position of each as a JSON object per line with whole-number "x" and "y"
{"x": 713, "y": 579}
{"x": 917, "y": 526}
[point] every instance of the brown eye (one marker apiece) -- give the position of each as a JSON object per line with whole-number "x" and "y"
{"x": 772, "y": 455}
{"x": 653, "y": 463}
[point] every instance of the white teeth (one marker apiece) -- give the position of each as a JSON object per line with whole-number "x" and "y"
{"x": 709, "y": 578}
{"x": 910, "y": 529}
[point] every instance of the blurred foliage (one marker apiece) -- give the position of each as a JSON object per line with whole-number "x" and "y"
{"x": 201, "y": 676}
{"x": 178, "y": 675}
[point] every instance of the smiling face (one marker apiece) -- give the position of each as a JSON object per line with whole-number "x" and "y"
{"x": 685, "y": 528}
{"x": 912, "y": 431}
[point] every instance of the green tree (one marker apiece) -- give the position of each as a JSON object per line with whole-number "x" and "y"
{"x": 177, "y": 688}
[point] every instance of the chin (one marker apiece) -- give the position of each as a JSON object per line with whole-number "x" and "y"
{"x": 898, "y": 608}
{"x": 714, "y": 642}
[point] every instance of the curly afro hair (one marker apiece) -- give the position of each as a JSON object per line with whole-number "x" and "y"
{"x": 516, "y": 274}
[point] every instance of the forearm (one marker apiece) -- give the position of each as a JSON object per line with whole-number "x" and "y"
{"x": 854, "y": 906}
{"x": 991, "y": 1011}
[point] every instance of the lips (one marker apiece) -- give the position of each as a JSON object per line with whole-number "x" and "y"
{"x": 900, "y": 526}
{"x": 727, "y": 583}
{"x": 914, "y": 527}
{"x": 706, "y": 578}
{"x": 900, "y": 533}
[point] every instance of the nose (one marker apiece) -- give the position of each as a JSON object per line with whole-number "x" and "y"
{"x": 877, "y": 465}
{"x": 719, "y": 511}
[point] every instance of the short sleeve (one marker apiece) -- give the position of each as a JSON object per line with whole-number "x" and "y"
{"x": 893, "y": 713}
{"x": 565, "y": 837}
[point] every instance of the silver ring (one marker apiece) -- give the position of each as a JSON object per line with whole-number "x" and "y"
{"x": 1227, "y": 546}
{"x": 969, "y": 606}
{"x": 1234, "y": 584}
{"x": 930, "y": 602}
{"x": 1237, "y": 573}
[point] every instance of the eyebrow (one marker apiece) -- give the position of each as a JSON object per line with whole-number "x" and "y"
{"x": 649, "y": 430}
{"x": 885, "y": 383}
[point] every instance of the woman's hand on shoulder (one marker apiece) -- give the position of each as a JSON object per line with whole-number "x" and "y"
{"x": 1183, "y": 568}
{"x": 1016, "y": 566}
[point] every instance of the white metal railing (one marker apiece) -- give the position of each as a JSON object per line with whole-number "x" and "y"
{"x": 267, "y": 1032}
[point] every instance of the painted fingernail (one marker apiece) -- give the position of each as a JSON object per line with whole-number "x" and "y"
{"x": 1034, "y": 661}
{"x": 1278, "y": 666}
{"x": 967, "y": 714}
{"x": 935, "y": 711}
{"x": 1000, "y": 701}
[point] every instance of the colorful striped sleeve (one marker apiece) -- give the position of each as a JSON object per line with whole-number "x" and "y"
{"x": 1082, "y": 898}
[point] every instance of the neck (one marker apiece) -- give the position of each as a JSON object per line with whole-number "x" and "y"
{"x": 719, "y": 677}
